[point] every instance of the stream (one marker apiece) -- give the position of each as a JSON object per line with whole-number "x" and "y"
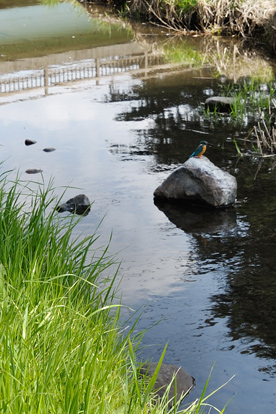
{"x": 122, "y": 114}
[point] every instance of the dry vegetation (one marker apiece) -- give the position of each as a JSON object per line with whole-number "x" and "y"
{"x": 248, "y": 18}
{"x": 264, "y": 135}
{"x": 265, "y": 138}
{"x": 236, "y": 17}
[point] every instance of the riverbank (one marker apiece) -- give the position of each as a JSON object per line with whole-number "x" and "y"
{"x": 249, "y": 19}
{"x": 61, "y": 350}
{"x": 61, "y": 344}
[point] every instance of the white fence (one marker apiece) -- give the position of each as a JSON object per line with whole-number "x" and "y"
{"x": 70, "y": 72}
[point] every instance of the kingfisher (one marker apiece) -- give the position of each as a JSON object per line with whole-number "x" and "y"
{"x": 200, "y": 149}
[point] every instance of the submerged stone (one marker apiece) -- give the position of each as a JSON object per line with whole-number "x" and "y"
{"x": 199, "y": 181}
{"x": 184, "y": 382}
{"x": 219, "y": 103}
{"x": 78, "y": 205}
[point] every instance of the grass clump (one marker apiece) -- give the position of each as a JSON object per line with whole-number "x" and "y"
{"x": 60, "y": 347}
{"x": 60, "y": 343}
{"x": 253, "y": 105}
{"x": 252, "y": 99}
{"x": 60, "y": 350}
{"x": 254, "y": 102}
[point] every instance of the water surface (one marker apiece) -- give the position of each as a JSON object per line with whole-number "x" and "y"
{"x": 208, "y": 277}
{"x": 36, "y": 28}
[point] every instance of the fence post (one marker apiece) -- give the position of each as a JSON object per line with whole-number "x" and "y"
{"x": 46, "y": 81}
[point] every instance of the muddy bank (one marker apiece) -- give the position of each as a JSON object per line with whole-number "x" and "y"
{"x": 251, "y": 19}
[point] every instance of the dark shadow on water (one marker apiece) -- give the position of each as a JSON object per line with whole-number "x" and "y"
{"x": 247, "y": 302}
{"x": 198, "y": 219}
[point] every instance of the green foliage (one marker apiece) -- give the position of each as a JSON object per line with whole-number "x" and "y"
{"x": 185, "y": 6}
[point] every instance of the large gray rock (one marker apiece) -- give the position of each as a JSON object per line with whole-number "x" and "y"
{"x": 184, "y": 381}
{"x": 200, "y": 181}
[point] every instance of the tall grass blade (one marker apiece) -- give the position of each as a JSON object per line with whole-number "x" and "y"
{"x": 153, "y": 379}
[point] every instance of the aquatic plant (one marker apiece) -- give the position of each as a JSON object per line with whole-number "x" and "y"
{"x": 251, "y": 101}
{"x": 261, "y": 138}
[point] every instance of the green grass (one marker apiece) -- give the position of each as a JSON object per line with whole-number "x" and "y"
{"x": 251, "y": 103}
{"x": 250, "y": 100}
{"x": 61, "y": 346}
{"x": 57, "y": 340}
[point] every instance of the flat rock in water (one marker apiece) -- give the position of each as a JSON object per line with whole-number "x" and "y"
{"x": 201, "y": 182}
{"x": 219, "y": 103}
{"x": 49, "y": 149}
{"x": 33, "y": 171}
{"x": 79, "y": 205}
{"x": 184, "y": 381}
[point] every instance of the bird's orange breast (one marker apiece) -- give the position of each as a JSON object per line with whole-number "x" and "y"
{"x": 202, "y": 151}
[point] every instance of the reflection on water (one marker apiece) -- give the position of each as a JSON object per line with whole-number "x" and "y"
{"x": 195, "y": 220}
{"x": 30, "y": 31}
{"x": 207, "y": 276}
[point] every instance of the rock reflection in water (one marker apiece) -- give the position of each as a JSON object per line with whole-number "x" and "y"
{"x": 198, "y": 220}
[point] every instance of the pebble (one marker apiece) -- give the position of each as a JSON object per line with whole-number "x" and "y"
{"x": 33, "y": 171}
{"x": 29, "y": 142}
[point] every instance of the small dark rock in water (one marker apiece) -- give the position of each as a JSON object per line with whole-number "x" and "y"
{"x": 33, "y": 171}
{"x": 79, "y": 205}
{"x": 49, "y": 149}
{"x": 184, "y": 381}
{"x": 29, "y": 142}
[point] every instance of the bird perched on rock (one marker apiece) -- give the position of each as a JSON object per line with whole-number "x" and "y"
{"x": 200, "y": 149}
